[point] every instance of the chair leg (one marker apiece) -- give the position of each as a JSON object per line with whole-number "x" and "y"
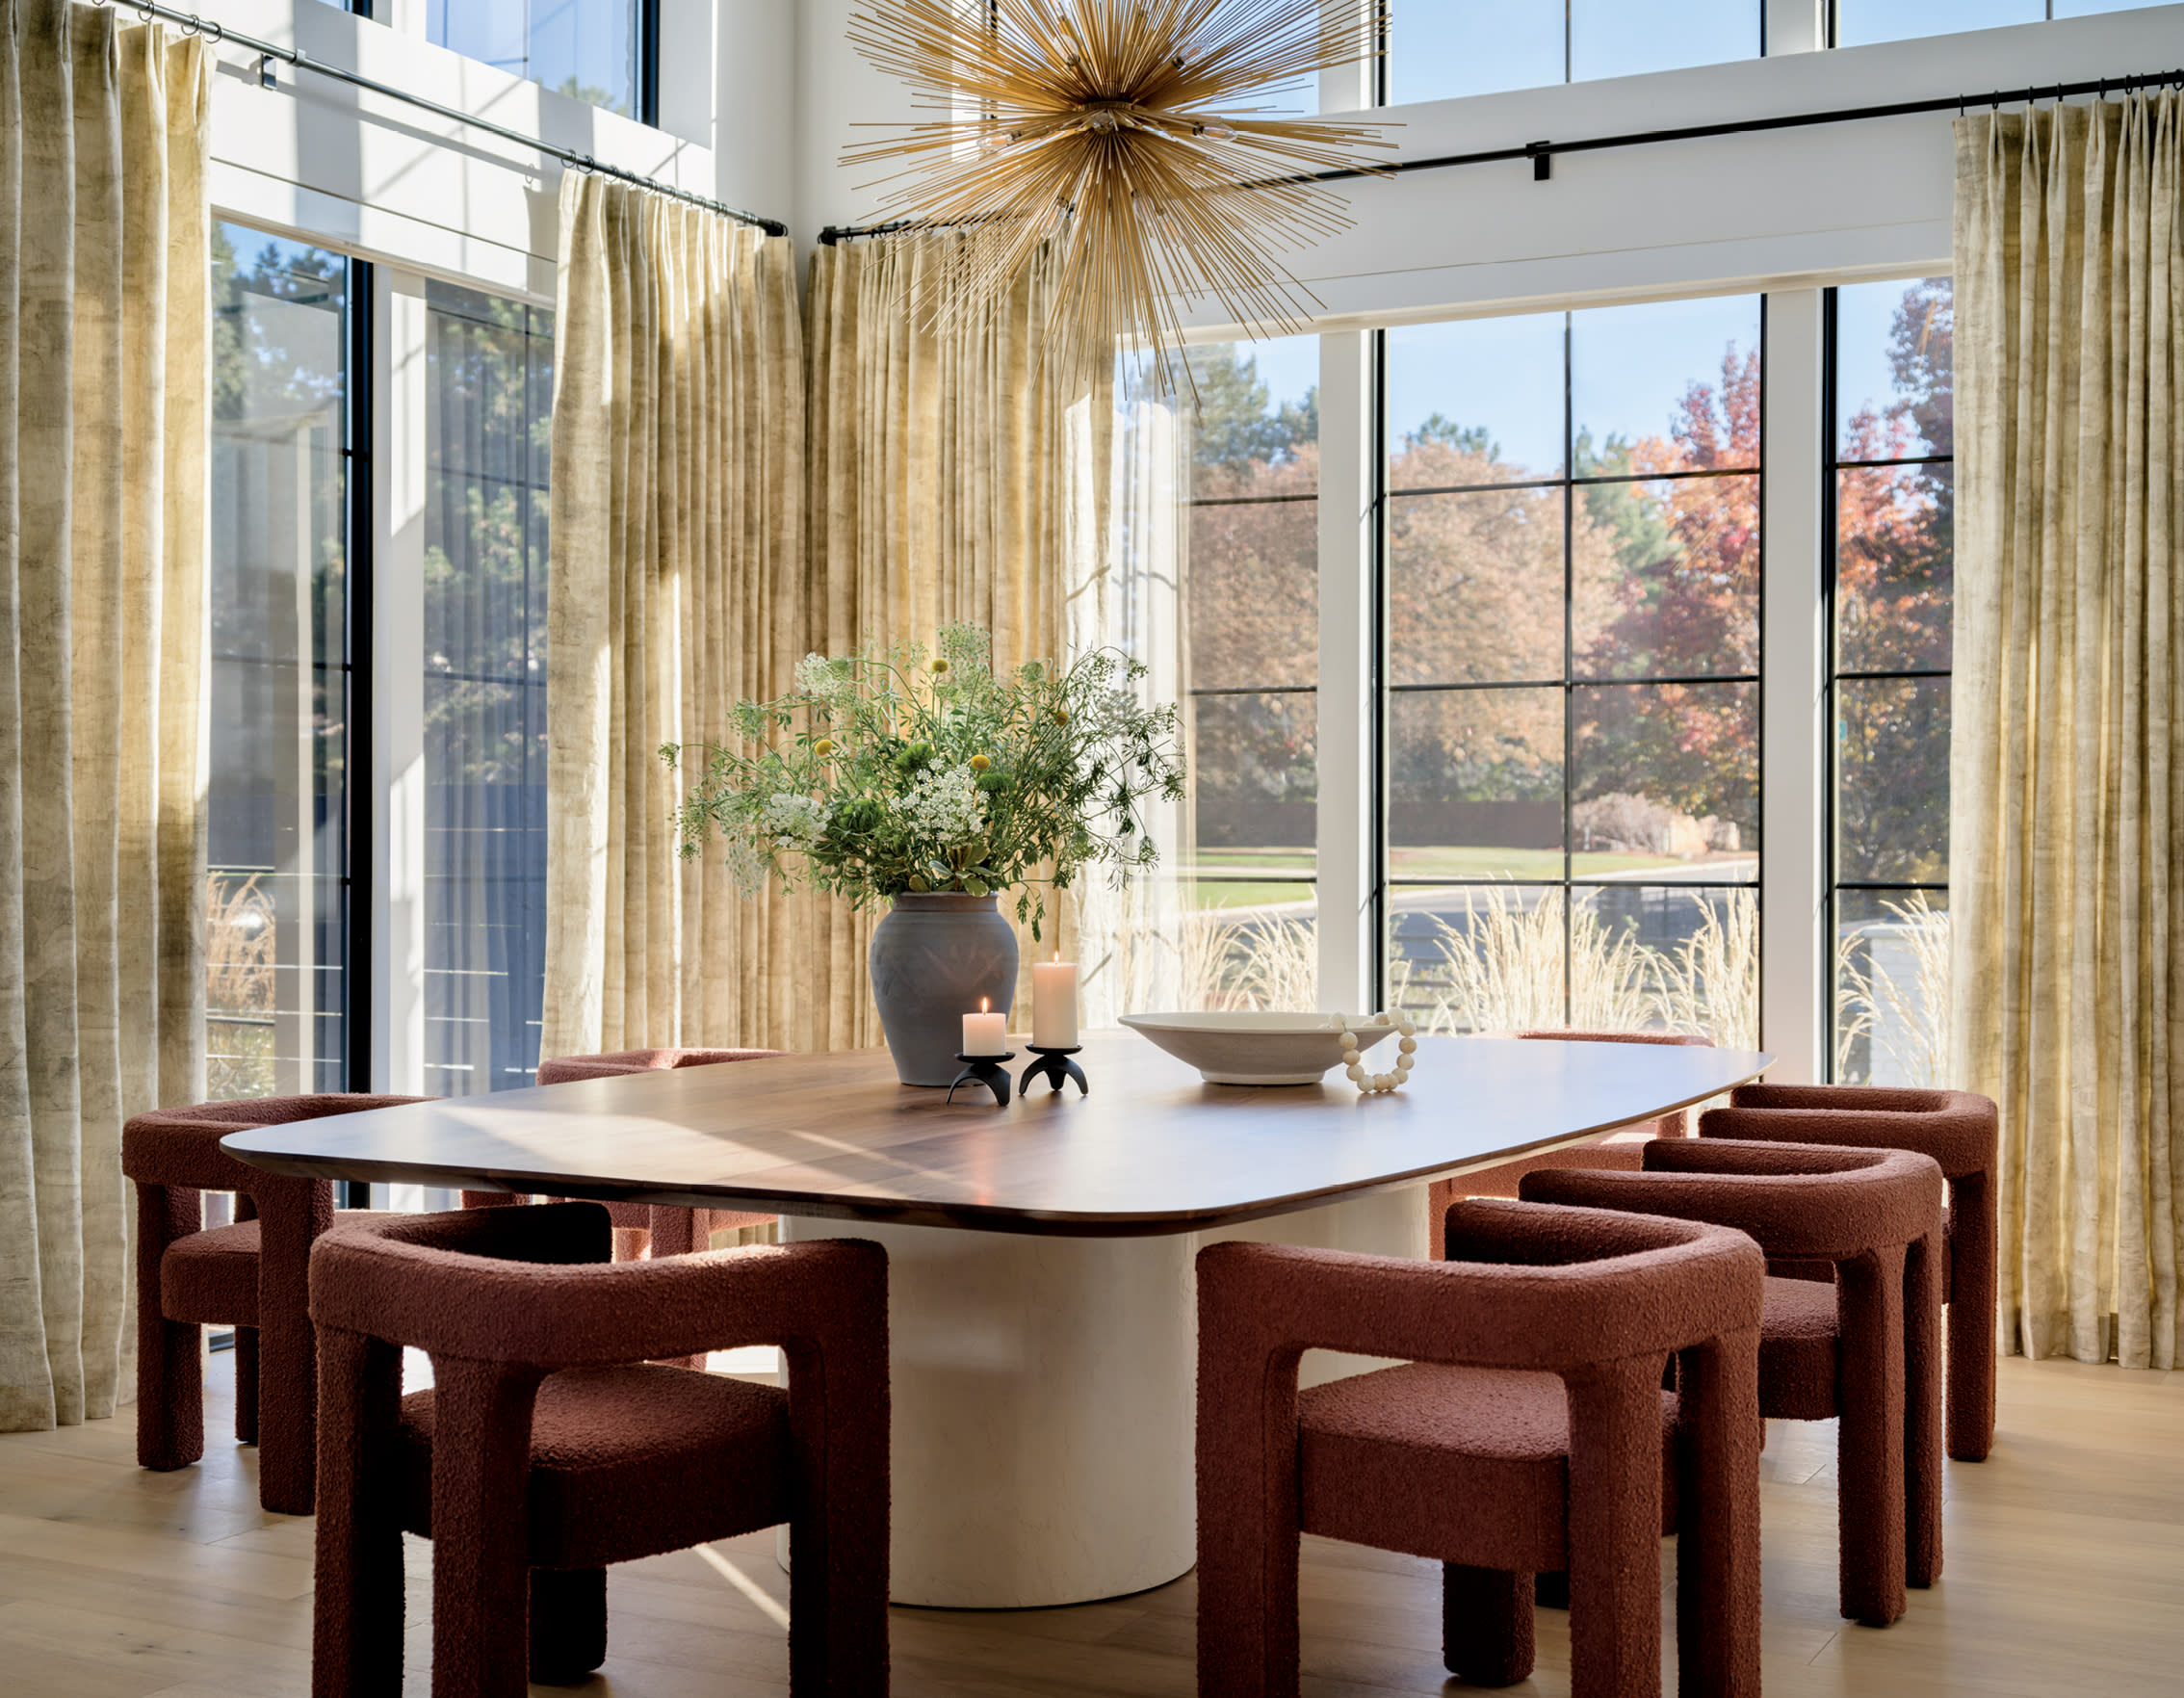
{"x": 568, "y": 1624}
{"x": 1922, "y": 1413}
{"x": 1486, "y": 1625}
{"x": 838, "y": 1584}
{"x": 481, "y": 1414}
{"x": 357, "y": 1604}
{"x": 1615, "y": 1529}
{"x": 170, "y": 1382}
{"x": 1869, "y": 1460}
{"x": 246, "y": 1384}
{"x": 1717, "y": 1548}
{"x": 288, "y": 1401}
{"x": 1971, "y": 1319}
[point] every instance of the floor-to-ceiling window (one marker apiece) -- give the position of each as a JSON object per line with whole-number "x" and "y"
{"x": 488, "y": 443}
{"x": 277, "y": 970}
{"x": 591, "y": 50}
{"x": 1894, "y": 485}
{"x": 1250, "y": 676}
{"x": 1440, "y": 49}
{"x": 1571, "y": 658}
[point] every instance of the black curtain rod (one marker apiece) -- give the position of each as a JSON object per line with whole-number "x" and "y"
{"x": 1541, "y": 153}
{"x": 218, "y": 35}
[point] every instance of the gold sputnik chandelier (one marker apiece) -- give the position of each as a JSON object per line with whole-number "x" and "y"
{"x": 1127, "y": 133}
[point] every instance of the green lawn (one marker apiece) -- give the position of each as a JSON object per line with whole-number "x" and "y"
{"x": 1518, "y": 865}
{"x": 1228, "y": 893}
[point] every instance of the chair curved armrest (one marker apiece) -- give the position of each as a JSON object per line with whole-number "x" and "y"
{"x": 1691, "y": 1282}
{"x": 177, "y": 1148}
{"x": 1957, "y": 1129}
{"x": 534, "y": 1286}
{"x": 1809, "y": 1201}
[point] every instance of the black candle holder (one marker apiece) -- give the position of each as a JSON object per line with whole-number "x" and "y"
{"x": 1053, "y": 1066}
{"x": 985, "y": 1070}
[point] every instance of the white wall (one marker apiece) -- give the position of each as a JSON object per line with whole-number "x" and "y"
{"x": 754, "y": 117}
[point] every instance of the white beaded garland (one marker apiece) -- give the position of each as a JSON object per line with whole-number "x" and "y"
{"x": 1377, "y": 1083}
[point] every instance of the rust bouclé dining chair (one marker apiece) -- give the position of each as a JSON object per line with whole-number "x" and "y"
{"x": 1528, "y": 1431}
{"x": 641, "y": 1228}
{"x": 250, "y": 1275}
{"x": 1957, "y": 1129}
{"x": 550, "y": 1447}
{"x": 1866, "y": 1348}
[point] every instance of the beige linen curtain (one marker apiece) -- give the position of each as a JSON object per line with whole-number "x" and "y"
{"x": 104, "y": 342}
{"x": 954, "y": 476}
{"x": 2067, "y": 882}
{"x": 677, "y": 586}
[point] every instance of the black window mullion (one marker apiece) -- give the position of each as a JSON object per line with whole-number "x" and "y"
{"x": 647, "y": 66}
{"x": 359, "y": 624}
{"x": 1568, "y": 624}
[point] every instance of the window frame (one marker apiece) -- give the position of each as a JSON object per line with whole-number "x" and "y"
{"x": 644, "y": 70}
{"x": 1832, "y": 885}
{"x": 351, "y": 1058}
{"x": 1568, "y": 483}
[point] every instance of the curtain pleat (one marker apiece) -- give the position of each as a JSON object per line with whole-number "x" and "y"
{"x": 707, "y": 537}
{"x": 102, "y": 623}
{"x": 676, "y": 513}
{"x": 2065, "y": 810}
{"x": 955, "y": 477}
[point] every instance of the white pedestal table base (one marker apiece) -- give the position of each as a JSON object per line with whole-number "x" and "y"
{"x": 1041, "y": 1391}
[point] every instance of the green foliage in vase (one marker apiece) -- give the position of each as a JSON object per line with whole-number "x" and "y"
{"x": 902, "y": 768}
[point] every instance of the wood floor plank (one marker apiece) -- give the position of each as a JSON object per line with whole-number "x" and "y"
{"x": 2065, "y": 1574}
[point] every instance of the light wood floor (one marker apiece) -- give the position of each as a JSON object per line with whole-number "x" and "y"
{"x": 2064, "y": 1574}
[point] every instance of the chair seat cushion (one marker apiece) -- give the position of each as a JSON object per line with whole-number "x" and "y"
{"x": 1797, "y": 1350}
{"x": 1467, "y": 1465}
{"x": 628, "y": 1462}
{"x": 211, "y": 1276}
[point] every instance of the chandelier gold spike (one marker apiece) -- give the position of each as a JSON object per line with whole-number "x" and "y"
{"x": 1135, "y": 137}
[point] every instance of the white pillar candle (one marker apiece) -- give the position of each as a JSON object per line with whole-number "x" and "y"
{"x": 1054, "y": 1005}
{"x": 985, "y": 1033}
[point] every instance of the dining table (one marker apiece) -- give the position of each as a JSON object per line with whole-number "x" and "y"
{"x": 1042, "y": 1311}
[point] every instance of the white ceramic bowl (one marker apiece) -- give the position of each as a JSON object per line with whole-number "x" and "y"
{"x": 1271, "y": 1048}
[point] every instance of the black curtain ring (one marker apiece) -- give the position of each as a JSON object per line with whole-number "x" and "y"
{"x": 146, "y": 11}
{"x": 193, "y": 25}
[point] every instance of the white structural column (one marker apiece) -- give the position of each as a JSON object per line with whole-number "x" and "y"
{"x": 1040, "y": 1394}
{"x": 1348, "y": 790}
{"x": 399, "y": 386}
{"x": 1793, "y": 765}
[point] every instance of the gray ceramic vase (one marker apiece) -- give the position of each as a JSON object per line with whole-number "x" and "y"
{"x": 934, "y": 957}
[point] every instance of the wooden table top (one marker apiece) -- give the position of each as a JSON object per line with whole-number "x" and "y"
{"x": 1152, "y": 1149}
